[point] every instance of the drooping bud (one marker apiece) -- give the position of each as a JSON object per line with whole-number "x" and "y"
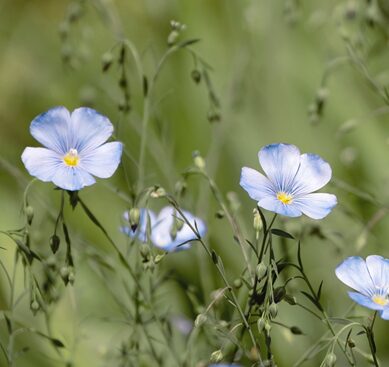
{"x": 330, "y": 360}
{"x": 29, "y": 211}
{"x": 237, "y": 283}
{"x": 261, "y": 270}
{"x": 198, "y": 160}
{"x": 54, "y": 243}
{"x": 34, "y": 306}
{"x": 273, "y": 309}
{"x": 158, "y": 258}
{"x": 144, "y": 250}
{"x": 261, "y": 324}
{"x": 158, "y": 192}
{"x": 196, "y": 76}
{"x": 106, "y": 61}
{"x": 134, "y": 216}
{"x": 200, "y": 320}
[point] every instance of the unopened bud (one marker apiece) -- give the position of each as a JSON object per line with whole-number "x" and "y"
{"x": 200, "y": 319}
{"x": 144, "y": 250}
{"x": 158, "y": 192}
{"x": 216, "y": 356}
{"x": 106, "y": 61}
{"x": 279, "y": 294}
{"x": 196, "y": 76}
{"x": 322, "y": 95}
{"x": 34, "y": 306}
{"x": 54, "y": 243}
{"x": 330, "y": 360}
{"x": 29, "y": 211}
{"x": 267, "y": 326}
{"x": 257, "y": 222}
{"x": 172, "y": 38}
{"x": 296, "y": 330}
{"x": 71, "y": 278}
{"x": 290, "y": 299}
{"x": 261, "y": 325}
{"x": 273, "y": 309}
{"x": 134, "y": 216}
{"x": 261, "y": 270}
{"x": 198, "y": 160}
{"x": 237, "y": 283}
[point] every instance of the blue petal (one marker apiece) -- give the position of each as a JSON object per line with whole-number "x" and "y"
{"x": 257, "y": 185}
{"x": 365, "y": 301}
{"x": 316, "y": 206}
{"x": 89, "y": 129}
{"x": 41, "y": 163}
{"x": 274, "y": 205}
{"x": 353, "y": 272}
{"x": 385, "y": 313}
{"x": 161, "y": 232}
{"x": 378, "y": 268}
{"x": 280, "y": 163}
{"x": 72, "y": 178}
{"x": 102, "y": 161}
{"x": 313, "y": 174}
{"x": 51, "y": 129}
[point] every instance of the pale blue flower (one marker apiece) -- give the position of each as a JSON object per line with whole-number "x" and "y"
{"x": 370, "y": 279}
{"x": 169, "y": 231}
{"x": 74, "y": 148}
{"x": 291, "y": 180}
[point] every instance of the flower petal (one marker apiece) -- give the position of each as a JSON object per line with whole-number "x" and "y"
{"x": 365, "y": 301}
{"x": 353, "y": 272}
{"x": 274, "y": 205}
{"x": 102, "y": 161}
{"x": 41, "y": 163}
{"x": 89, "y": 129}
{"x": 257, "y": 185}
{"x": 385, "y": 313}
{"x": 313, "y": 174}
{"x": 317, "y": 205}
{"x": 378, "y": 268}
{"x": 161, "y": 232}
{"x": 72, "y": 178}
{"x": 280, "y": 163}
{"x": 51, "y": 129}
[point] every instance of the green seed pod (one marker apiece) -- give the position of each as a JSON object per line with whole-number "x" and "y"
{"x": 198, "y": 160}
{"x": 34, "y": 306}
{"x": 273, "y": 309}
{"x": 29, "y": 211}
{"x": 261, "y": 270}
{"x": 237, "y": 283}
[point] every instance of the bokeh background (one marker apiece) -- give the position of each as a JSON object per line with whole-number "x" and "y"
{"x": 310, "y": 73}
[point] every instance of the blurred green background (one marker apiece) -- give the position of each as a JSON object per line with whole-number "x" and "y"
{"x": 269, "y": 60}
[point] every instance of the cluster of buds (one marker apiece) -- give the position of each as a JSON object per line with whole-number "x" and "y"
{"x": 176, "y": 29}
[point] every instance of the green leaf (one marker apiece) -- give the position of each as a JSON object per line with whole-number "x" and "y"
{"x": 281, "y": 233}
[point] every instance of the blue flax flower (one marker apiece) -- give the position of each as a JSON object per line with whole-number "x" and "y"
{"x": 370, "y": 279}
{"x": 74, "y": 148}
{"x": 291, "y": 180}
{"x": 169, "y": 231}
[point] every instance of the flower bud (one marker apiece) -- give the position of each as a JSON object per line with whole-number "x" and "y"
{"x": 196, "y": 76}
{"x": 106, "y": 61}
{"x": 158, "y": 258}
{"x": 71, "y": 277}
{"x": 257, "y": 222}
{"x": 330, "y": 360}
{"x": 198, "y": 160}
{"x": 290, "y": 299}
{"x": 144, "y": 250}
{"x": 216, "y": 356}
{"x": 261, "y": 324}
{"x": 134, "y": 216}
{"x": 158, "y": 192}
{"x": 261, "y": 270}
{"x": 237, "y": 283}
{"x": 34, "y": 306}
{"x": 200, "y": 320}
{"x": 54, "y": 243}
{"x": 172, "y": 38}
{"x": 279, "y": 293}
{"x": 267, "y": 327}
{"x": 273, "y": 309}
{"x": 29, "y": 211}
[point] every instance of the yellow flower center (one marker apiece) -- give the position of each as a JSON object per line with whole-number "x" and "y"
{"x": 284, "y": 197}
{"x": 71, "y": 158}
{"x": 379, "y": 300}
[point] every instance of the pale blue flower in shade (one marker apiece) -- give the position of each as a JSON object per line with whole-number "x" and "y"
{"x": 169, "y": 231}
{"x": 370, "y": 279}
{"x": 75, "y": 148}
{"x": 291, "y": 181}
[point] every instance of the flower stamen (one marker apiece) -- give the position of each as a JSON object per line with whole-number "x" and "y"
{"x": 284, "y": 197}
{"x": 71, "y": 158}
{"x": 380, "y": 300}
